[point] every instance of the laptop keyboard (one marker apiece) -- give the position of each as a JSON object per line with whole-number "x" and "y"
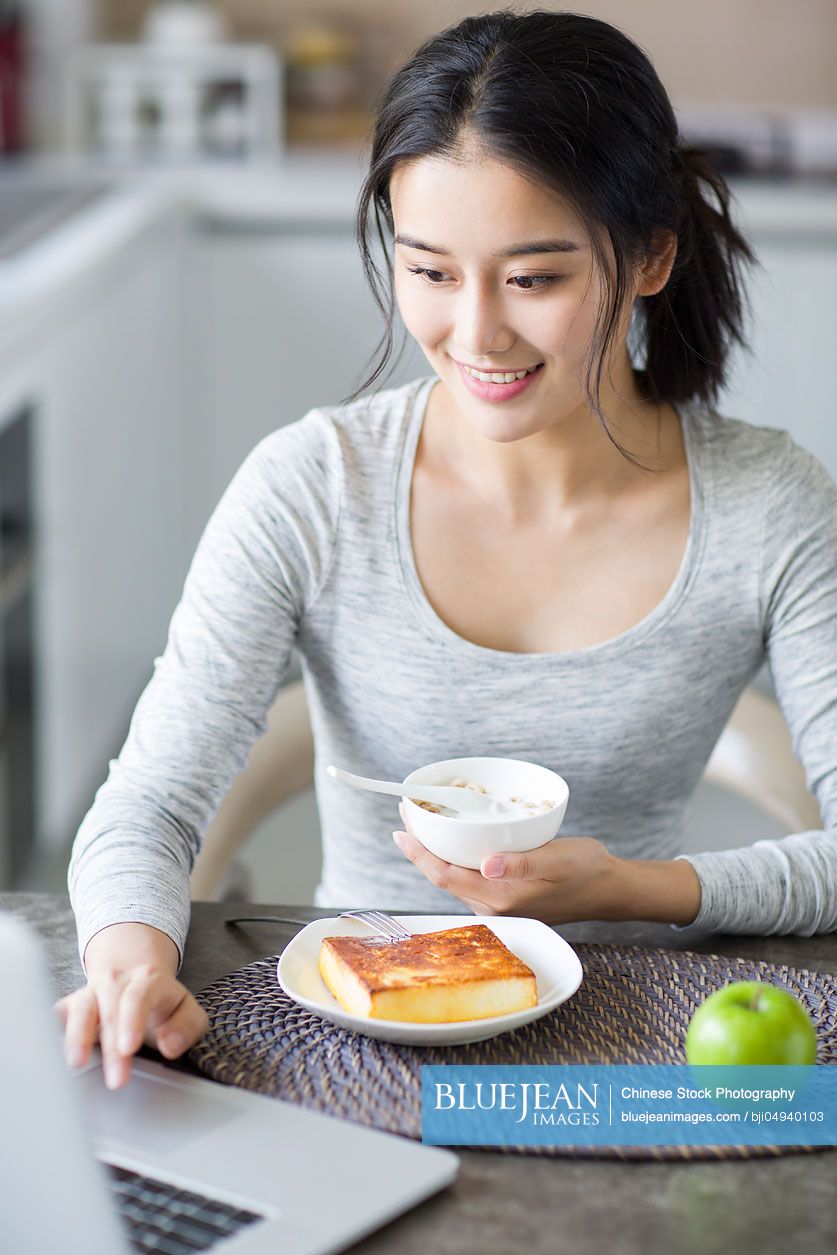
{"x": 162, "y": 1217}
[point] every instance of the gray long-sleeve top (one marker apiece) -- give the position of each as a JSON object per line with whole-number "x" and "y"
{"x": 310, "y": 547}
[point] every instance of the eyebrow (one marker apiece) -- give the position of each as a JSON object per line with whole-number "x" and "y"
{"x": 529, "y": 249}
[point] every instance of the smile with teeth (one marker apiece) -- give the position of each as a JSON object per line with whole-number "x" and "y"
{"x": 508, "y": 376}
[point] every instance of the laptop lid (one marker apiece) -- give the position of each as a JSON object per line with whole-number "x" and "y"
{"x": 52, "y": 1192}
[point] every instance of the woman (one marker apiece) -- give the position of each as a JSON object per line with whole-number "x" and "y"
{"x": 538, "y": 551}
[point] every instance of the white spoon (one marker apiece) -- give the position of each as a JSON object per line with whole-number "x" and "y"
{"x": 455, "y": 797}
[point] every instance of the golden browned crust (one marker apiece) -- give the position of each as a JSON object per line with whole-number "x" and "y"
{"x": 453, "y": 956}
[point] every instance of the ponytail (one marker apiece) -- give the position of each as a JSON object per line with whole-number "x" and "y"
{"x": 690, "y": 326}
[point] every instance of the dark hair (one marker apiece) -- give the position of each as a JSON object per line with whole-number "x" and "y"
{"x": 574, "y": 104}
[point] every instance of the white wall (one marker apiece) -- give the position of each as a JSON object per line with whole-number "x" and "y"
{"x": 751, "y": 51}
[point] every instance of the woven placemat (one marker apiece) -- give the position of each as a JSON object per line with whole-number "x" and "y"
{"x": 633, "y": 1006}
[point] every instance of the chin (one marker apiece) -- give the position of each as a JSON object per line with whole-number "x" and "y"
{"x": 503, "y": 429}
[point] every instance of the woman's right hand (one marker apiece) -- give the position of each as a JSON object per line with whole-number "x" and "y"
{"x": 132, "y": 997}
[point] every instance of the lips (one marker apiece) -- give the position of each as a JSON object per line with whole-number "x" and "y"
{"x": 495, "y": 392}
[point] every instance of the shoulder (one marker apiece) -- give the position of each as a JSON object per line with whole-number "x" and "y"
{"x": 379, "y": 413}
{"x": 751, "y": 462}
{"x": 774, "y": 500}
{"x": 320, "y": 446}
{"x": 737, "y": 448}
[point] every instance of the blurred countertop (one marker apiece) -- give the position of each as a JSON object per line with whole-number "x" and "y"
{"x": 59, "y": 269}
{"x": 314, "y": 188}
{"x": 302, "y": 187}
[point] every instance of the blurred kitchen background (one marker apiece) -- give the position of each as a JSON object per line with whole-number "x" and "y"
{"x": 178, "y": 276}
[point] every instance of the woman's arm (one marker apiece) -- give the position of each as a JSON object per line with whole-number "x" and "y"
{"x": 790, "y": 885}
{"x": 259, "y": 563}
{"x": 666, "y": 891}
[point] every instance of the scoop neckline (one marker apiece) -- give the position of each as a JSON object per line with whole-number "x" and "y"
{"x": 626, "y": 640}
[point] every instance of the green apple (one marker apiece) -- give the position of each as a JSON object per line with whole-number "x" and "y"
{"x": 751, "y": 1022}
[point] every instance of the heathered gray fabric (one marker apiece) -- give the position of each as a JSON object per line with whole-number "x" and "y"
{"x": 310, "y": 546}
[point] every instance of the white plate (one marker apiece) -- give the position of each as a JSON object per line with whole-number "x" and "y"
{"x": 556, "y": 965}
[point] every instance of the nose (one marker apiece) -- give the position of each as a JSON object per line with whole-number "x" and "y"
{"x": 479, "y": 328}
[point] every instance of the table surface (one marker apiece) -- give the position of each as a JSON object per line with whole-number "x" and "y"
{"x": 508, "y": 1203}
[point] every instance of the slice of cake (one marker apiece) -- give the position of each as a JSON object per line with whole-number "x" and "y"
{"x": 431, "y": 978}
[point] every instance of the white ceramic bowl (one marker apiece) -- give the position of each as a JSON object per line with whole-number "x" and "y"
{"x": 466, "y": 842}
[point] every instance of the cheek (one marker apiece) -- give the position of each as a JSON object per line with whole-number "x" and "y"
{"x": 422, "y": 312}
{"x": 566, "y": 324}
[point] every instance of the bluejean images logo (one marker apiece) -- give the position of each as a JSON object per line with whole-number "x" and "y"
{"x": 538, "y": 1101}
{"x": 629, "y": 1105}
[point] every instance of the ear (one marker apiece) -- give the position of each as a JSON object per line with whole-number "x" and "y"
{"x": 654, "y": 273}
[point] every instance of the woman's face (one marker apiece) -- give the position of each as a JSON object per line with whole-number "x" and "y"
{"x": 495, "y": 274}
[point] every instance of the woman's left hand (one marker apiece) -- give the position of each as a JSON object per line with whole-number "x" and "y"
{"x": 569, "y": 879}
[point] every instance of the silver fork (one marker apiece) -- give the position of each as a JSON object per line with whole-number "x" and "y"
{"x": 390, "y": 927}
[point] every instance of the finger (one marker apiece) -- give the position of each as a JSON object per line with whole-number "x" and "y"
{"x": 182, "y": 1029}
{"x": 138, "y": 1000}
{"x": 80, "y": 1014}
{"x": 460, "y": 881}
{"x": 510, "y": 867}
{"x": 117, "y": 1067}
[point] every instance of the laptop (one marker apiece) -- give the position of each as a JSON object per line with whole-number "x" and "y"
{"x": 174, "y": 1163}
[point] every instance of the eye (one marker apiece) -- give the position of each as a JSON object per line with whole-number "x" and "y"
{"x": 526, "y": 283}
{"x": 432, "y": 276}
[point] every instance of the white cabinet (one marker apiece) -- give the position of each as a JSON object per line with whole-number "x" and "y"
{"x": 790, "y": 380}
{"x": 281, "y": 320}
{"x": 110, "y": 555}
